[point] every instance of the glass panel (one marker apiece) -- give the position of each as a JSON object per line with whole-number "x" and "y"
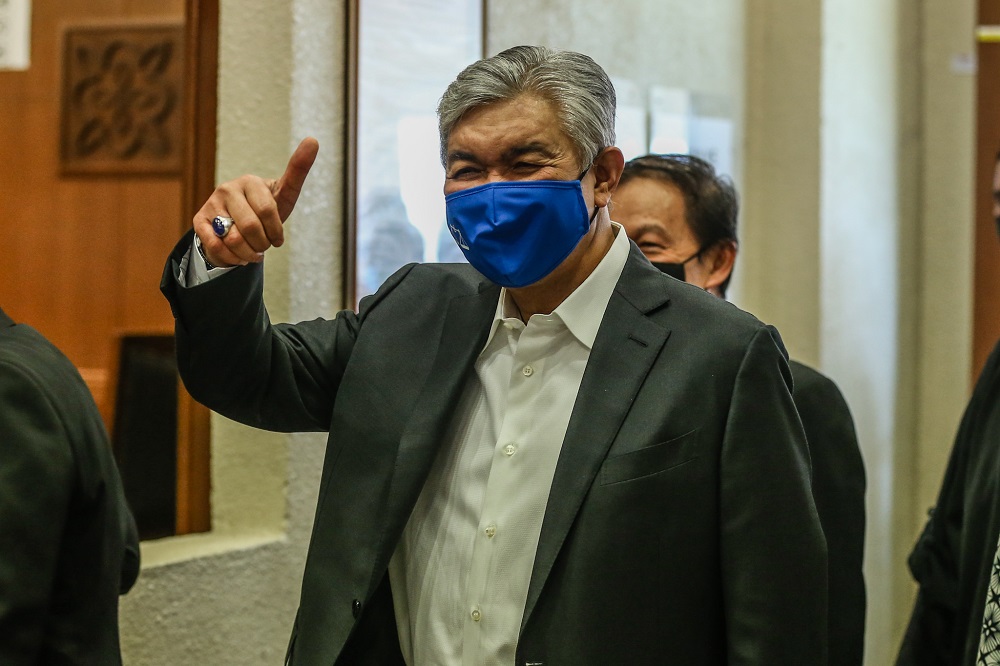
{"x": 408, "y": 52}
{"x": 677, "y": 66}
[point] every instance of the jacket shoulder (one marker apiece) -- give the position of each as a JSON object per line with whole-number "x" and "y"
{"x": 712, "y": 317}
{"x": 428, "y": 283}
{"x": 812, "y": 384}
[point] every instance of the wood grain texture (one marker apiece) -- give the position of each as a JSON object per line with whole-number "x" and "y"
{"x": 83, "y": 254}
{"x": 193, "y": 419}
{"x": 986, "y": 281}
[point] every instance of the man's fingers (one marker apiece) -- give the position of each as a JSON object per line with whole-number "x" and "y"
{"x": 218, "y": 254}
{"x": 287, "y": 188}
{"x": 237, "y": 244}
{"x": 258, "y": 209}
{"x": 263, "y": 208}
{"x": 231, "y": 250}
{"x": 246, "y": 218}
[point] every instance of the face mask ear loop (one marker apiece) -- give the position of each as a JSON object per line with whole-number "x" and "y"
{"x": 589, "y": 166}
{"x": 583, "y": 173}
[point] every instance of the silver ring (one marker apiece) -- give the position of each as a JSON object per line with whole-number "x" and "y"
{"x": 221, "y": 225}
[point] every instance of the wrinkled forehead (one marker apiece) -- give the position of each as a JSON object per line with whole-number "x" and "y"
{"x": 513, "y": 108}
{"x": 524, "y": 119}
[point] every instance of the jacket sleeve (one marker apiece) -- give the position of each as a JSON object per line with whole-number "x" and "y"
{"x": 36, "y": 482}
{"x": 838, "y": 478}
{"x": 774, "y": 562}
{"x": 281, "y": 377}
{"x": 930, "y": 634}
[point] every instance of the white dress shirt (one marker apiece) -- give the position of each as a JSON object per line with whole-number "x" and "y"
{"x": 461, "y": 571}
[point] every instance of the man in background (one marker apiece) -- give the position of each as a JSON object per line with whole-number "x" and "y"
{"x": 68, "y": 544}
{"x": 683, "y": 216}
{"x": 956, "y": 561}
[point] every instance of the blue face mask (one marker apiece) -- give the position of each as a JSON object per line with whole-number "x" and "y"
{"x": 517, "y": 232}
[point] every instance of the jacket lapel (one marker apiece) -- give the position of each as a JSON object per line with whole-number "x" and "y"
{"x": 466, "y": 326}
{"x": 5, "y": 321}
{"x": 626, "y": 346}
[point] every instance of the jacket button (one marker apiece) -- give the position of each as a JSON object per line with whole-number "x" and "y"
{"x": 356, "y": 608}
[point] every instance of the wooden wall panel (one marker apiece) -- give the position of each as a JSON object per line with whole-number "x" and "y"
{"x": 989, "y": 13}
{"x": 986, "y": 294}
{"x": 82, "y": 255}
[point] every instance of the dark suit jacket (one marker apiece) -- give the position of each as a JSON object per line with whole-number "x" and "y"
{"x": 680, "y": 527}
{"x": 839, "y": 490}
{"x": 953, "y": 557}
{"x": 68, "y": 544}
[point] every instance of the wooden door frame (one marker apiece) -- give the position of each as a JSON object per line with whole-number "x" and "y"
{"x": 986, "y": 280}
{"x": 201, "y": 60}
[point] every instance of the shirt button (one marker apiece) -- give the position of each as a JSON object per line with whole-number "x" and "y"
{"x": 527, "y": 371}
{"x": 509, "y": 450}
{"x": 491, "y": 530}
{"x": 476, "y": 615}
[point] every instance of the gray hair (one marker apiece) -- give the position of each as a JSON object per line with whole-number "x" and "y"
{"x": 578, "y": 87}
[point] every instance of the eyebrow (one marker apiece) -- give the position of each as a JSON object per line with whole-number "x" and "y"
{"x": 534, "y": 147}
{"x": 652, "y": 228}
{"x": 507, "y": 156}
{"x": 457, "y": 155}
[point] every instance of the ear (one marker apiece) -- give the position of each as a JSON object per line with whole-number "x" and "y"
{"x": 607, "y": 169}
{"x": 719, "y": 260}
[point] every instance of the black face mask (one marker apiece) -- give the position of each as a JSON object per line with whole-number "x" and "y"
{"x": 674, "y": 270}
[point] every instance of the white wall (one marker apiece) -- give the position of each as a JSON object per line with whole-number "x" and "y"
{"x": 946, "y": 223}
{"x": 858, "y": 177}
{"x": 866, "y": 319}
{"x": 779, "y": 231}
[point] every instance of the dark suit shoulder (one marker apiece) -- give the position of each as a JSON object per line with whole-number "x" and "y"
{"x": 451, "y": 278}
{"x": 33, "y": 374}
{"x": 683, "y": 306}
{"x": 43, "y": 386}
{"x": 825, "y": 415}
{"x": 420, "y": 291}
{"x": 812, "y": 382}
{"x": 27, "y": 357}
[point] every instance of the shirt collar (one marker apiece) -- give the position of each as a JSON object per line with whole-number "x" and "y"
{"x": 583, "y": 310}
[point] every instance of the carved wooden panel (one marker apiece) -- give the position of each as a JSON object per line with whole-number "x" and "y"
{"x": 121, "y": 99}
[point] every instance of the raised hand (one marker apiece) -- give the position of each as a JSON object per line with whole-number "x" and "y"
{"x": 258, "y": 208}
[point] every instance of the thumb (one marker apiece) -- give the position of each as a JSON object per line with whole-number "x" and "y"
{"x": 287, "y": 188}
